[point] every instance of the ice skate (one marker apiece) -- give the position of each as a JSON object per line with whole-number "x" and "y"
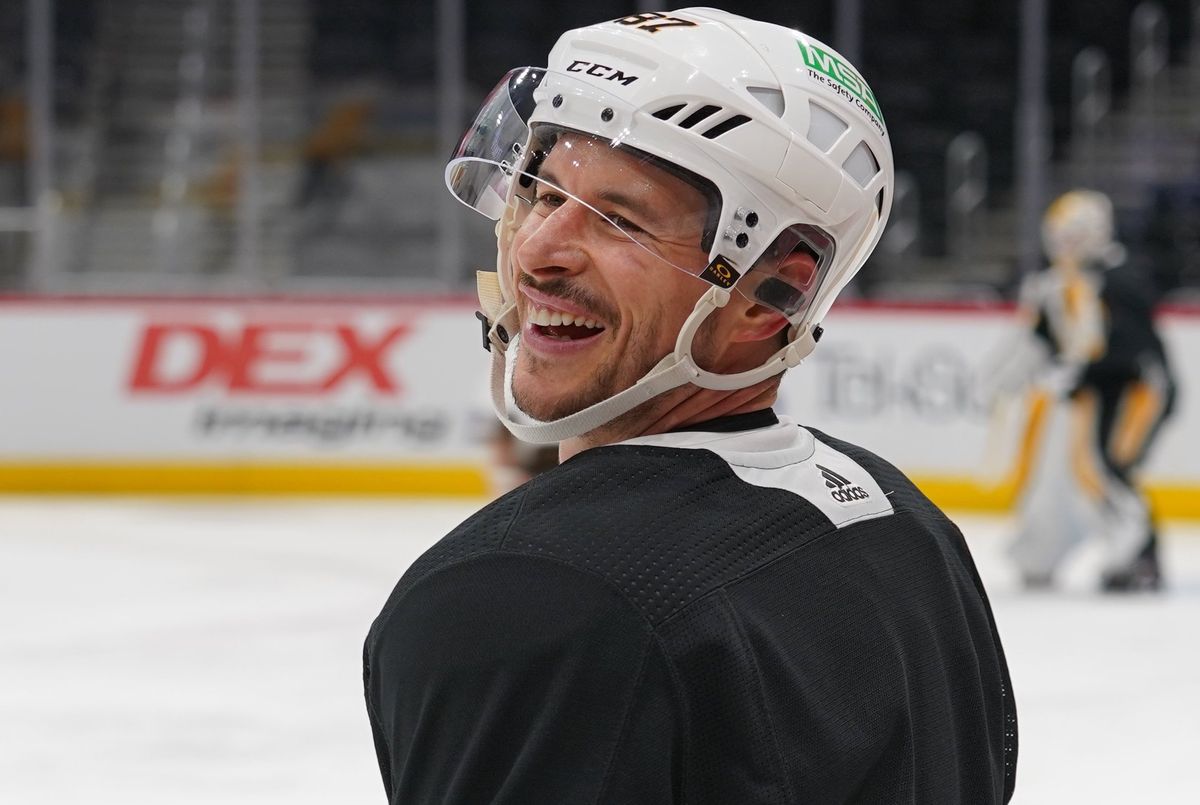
{"x": 1143, "y": 575}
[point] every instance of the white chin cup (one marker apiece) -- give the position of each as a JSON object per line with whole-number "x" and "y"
{"x": 674, "y": 370}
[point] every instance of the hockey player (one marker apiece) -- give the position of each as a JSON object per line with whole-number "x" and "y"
{"x": 1099, "y": 368}
{"x": 704, "y": 602}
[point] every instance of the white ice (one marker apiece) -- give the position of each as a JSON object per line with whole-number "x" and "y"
{"x": 164, "y": 652}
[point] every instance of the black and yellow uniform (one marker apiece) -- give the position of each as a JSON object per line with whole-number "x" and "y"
{"x": 748, "y": 612}
{"x": 1097, "y": 323}
{"x": 1125, "y": 395}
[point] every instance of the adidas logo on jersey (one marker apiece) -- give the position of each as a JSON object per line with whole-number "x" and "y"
{"x": 843, "y": 489}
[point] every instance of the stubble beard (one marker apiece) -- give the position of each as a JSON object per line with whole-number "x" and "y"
{"x": 620, "y": 373}
{"x": 616, "y": 375}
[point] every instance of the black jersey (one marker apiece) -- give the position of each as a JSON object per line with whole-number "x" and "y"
{"x": 1132, "y": 347}
{"x": 760, "y": 616}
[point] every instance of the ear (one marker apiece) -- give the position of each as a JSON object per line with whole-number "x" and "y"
{"x": 758, "y": 322}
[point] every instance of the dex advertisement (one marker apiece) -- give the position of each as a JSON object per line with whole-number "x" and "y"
{"x": 402, "y": 383}
{"x": 142, "y": 380}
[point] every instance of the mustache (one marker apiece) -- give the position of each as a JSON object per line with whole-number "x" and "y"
{"x": 571, "y": 291}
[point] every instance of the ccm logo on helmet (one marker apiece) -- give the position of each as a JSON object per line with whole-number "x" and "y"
{"x": 843, "y": 489}
{"x": 601, "y": 71}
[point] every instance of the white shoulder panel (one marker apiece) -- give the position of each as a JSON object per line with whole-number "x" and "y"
{"x": 786, "y": 456}
{"x": 831, "y": 481}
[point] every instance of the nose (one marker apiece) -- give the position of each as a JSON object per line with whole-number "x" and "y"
{"x": 554, "y": 244}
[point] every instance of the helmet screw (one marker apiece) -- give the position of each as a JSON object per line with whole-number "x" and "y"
{"x": 500, "y": 331}
{"x": 742, "y": 240}
{"x": 749, "y": 216}
{"x": 557, "y": 102}
{"x": 606, "y": 115}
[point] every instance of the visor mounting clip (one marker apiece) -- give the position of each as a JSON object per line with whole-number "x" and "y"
{"x": 487, "y": 326}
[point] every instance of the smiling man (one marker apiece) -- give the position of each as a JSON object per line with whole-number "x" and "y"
{"x": 704, "y": 602}
{"x": 598, "y": 304}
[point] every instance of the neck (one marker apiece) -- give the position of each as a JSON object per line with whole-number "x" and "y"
{"x": 675, "y": 409}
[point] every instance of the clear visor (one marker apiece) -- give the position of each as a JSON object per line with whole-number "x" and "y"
{"x": 790, "y": 273}
{"x": 565, "y": 184}
{"x": 480, "y": 172}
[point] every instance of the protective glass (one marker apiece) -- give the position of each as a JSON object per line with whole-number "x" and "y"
{"x": 480, "y": 172}
{"x": 790, "y": 273}
{"x": 591, "y": 186}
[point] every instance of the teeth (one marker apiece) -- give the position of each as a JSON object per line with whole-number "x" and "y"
{"x": 546, "y": 317}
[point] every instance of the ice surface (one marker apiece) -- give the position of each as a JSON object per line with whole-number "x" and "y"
{"x": 210, "y": 651}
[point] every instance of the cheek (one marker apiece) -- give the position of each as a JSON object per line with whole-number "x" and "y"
{"x": 514, "y": 246}
{"x": 663, "y": 299}
{"x": 685, "y": 291}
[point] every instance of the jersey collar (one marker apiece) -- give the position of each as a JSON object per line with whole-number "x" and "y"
{"x": 732, "y": 423}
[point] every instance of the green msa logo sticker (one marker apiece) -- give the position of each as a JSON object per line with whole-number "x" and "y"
{"x": 833, "y": 72}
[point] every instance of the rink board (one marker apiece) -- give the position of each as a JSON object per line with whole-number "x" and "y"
{"x": 908, "y": 382}
{"x": 159, "y": 395}
{"x": 389, "y": 395}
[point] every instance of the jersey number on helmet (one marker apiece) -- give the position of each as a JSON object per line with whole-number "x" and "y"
{"x": 653, "y": 22}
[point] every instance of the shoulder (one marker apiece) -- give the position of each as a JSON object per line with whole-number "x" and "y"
{"x": 657, "y": 526}
{"x": 902, "y": 493}
{"x": 534, "y": 665}
{"x": 663, "y": 525}
{"x": 574, "y": 521}
{"x": 469, "y": 591}
{"x": 479, "y": 534}
{"x": 498, "y": 604}
{"x": 797, "y": 466}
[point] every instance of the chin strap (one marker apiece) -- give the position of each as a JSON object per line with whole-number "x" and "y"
{"x": 674, "y": 370}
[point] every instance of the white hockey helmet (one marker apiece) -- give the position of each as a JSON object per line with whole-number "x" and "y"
{"x": 1078, "y": 228}
{"x": 782, "y": 134}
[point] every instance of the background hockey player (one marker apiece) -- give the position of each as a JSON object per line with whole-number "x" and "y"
{"x": 1100, "y": 389}
{"x": 704, "y": 602}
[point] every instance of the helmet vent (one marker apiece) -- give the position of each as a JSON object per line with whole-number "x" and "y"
{"x": 861, "y": 164}
{"x": 769, "y": 97}
{"x": 824, "y": 127}
{"x": 708, "y": 110}
{"x": 726, "y": 125}
{"x": 668, "y": 112}
{"x": 699, "y": 116}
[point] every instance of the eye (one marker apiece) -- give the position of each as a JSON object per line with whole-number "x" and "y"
{"x": 625, "y": 225}
{"x": 549, "y": 199}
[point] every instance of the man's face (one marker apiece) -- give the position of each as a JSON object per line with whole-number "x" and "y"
{"x": 597, "y": 309}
